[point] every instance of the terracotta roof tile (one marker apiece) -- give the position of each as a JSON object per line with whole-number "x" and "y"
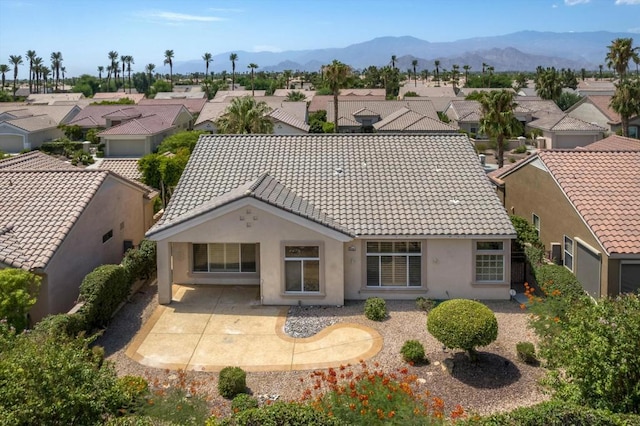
{"x": 194, "y": 106}
{"x": 405, "y": 120}
{"x": 34, "y": 160}
{"x": 369, "y": 184}
{"x": 283, "y": 116}
{"x": 563, "y": 122}
{"x": 614, "y": 143}
{"x": 356, "y": 108}
{"x": 604, "y": 187}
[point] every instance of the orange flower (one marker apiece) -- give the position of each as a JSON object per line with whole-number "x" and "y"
{"x": 523, "y": 306}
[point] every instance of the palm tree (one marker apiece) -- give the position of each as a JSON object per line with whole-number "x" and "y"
{"x": 600, "y": 67}
{"x": 626, "y": 101}
{"x": 253, "y": 67}
{"x": 168, "y": 60}
{"x": 45, "y": 73}
{"x": 207, "y": 58}
{"x": 245, "y": 115}
{"x": 498, "y": 119}
{"x": 490, "y": 69}
{"x": 4, "y": 68}
{"x": 393, "y": 61}
{"x": 233, "y": 58}
{"x": 63, "y": 70}
{"x": 113, "y": 56}
{"x": 129, "y": 61}
{"x": 336, "y": 75}
{"x": 15, "y": 60}
{"x": 548, "y": 83}
{"x": 455, "y": 72}
{"x": 149, "y": 68}
{"x": 100, "y": 71}
{"x": 295, "y": 96}
{"x": 123, "y": 60}
{"x": 287, "y": 77}
{"x": 414, "y": 63}
{"x": 31, "y": 55}
{"x": 37, "y": 68}
{"x": 583, "y": 74}
{"x": 621, "y": 51}
{"x": 466, "y": 73}
{"x": 56, "y": 62}
{"x": 437, "y": 64}
{"x": 484, "y": 66}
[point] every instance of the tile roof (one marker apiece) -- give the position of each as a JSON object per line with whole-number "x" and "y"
{"x": 614, "y": 143}
{"x": 213, "y": 110}
{"x": 353, "y": 108}
{"x": 45, "y": 98}
{"x": 33, "y": 123}
{"x": 149, "y": 125}
{"x": 563, "y": 122}
{"x": 427, "y": 91}
{"x": 283, "y": 116}
{"x": 35, "y": 217}
{"x": 309, "y": 94}
{"x": 602, "y": 103}
{"x": 320, "y": 102}
{"x": 464, "y": 110}
{"x": 604, "y": 187}
{"x": 405, "y": 120}
{"x": 59, "y": 113}
{"x": 95, "y": 115}
{"x": 35, "y": 160}
{"x": 222, "y": 95}
{"x": 114, "y": 96}
{"x": 181, "y": 95}
{"x": 536, "y": 106}
{"x": 370, "y": 184}
{"x": 126, "y": 167}
{"x": 193, "y": 105}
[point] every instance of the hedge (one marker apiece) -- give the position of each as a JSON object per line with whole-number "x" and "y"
{"x": 279, "y": 413}
{"x": 61, "y": 147}
{"x": 140, "y": 263}
{"x": 102, "y": 291}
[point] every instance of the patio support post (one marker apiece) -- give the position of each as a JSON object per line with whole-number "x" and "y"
{"x": 165, "y": 275}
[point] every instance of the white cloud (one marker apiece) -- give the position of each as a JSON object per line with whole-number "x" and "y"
{"x": 618, "y": 2}
{"x": 266, "y": 48}
{"x": 554, "y": 6}
{"x": 176, "y": 18}
{"x": 218, "y": 9}
{"x": 575, "y": 2}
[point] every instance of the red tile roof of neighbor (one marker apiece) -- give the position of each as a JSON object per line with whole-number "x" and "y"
{"x": 614, "y": 143}
{"x": 95, "y": 115}
{"x": 604, "y": 187}
{"x": 193, "y": 105}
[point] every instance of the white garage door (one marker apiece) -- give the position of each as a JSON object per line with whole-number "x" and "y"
{"x": 126, "y": 148}
{"x": 11, "y": 144}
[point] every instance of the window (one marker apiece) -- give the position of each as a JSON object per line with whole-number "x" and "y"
{"x": 302, "y": 268}
{"x": 224, "y": 257}
{"x": 568, "y": 253}
{"x": 633, "y": 132}
{"x": 536, "y": 224}
{"x": 106, "y": 237}
{"x": 489, "y": 261}
{"x": 394, "y": 264}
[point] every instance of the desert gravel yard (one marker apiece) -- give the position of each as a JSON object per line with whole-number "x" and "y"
{"x": 497, "y": 382}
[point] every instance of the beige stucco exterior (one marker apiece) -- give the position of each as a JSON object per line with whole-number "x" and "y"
{"x": 567, "y": 139}
{"x": 12, "y": 138}
{"x": 532, "y": 190}
{"x": 117, "y": 206}
{"x": 447, "y": 263}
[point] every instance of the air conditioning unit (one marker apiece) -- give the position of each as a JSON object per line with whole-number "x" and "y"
{"x": 555, "y": 254}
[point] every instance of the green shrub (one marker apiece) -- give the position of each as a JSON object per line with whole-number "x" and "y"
{"x": 481, "y": 147}
{"x": 62, "y": 324}
{"x": 526, "y": 352}
{"x": 555, "y": 413}
{"x": 137, "y": 420}
{"x": 243, "y": 402}
{"x": 140, "y": 263}
{"x": 102, "y": 291}
{"x": 232, "y": 381}
{"x": 174, "y": 406}
{"x": 413, "y": 351}
{"x": 425, "y": 304}
{"x": 279, "y": 413}
{"x": 375, "y": 309}
{"x": 134, "y": 389}
{"x": 18, "y": 293}
{"x": 61, "y": 147}
{"x": 525, "y": 231}
{"x": 521, "y": 149}
{"x": 463, "y": 324}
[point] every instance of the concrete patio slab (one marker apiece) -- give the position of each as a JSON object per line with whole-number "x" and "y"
{"x": 207, "y": 328}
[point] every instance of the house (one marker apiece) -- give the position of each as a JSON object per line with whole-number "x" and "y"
{"x": 596, "y": 87}
{"x": 614, "y": 143}
{"x": 423, "y": 91}
{"x": 356, "y": 116}
{"x": 308, "y": 94}
{"x": 61, "y": 222}
{"x": 188, "y": 94}
{"x": 133, "y": 130}
{"x": 407, "y": 121}
{"x": 291, "y": 118}
{"x": 227, "y": 95}
{"x": 116, "y": 96}
{"x": 193, "y": 105}
{"x": 52, "y": 98}
{"x": 561, "y": 131}
{"x": 28, "y": 127}
{"x": 595, "y": 109}
{"x": 322, "y": 218}
{"x": 585, "y": 206}
{"x": 320, "y": 102}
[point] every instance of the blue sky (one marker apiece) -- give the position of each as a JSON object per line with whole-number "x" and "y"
{"x": 85, "y": 30}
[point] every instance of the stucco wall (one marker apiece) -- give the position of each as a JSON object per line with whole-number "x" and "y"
{"x": 115, "y": 203}
{"x": 447, "y": 272}
{"x": 532, "y": 190}
{"x": 571, "y": 141}
{"x": 589, "y": 113}
{"x": 270, "y": 231}
{"x": 280, "y": 128}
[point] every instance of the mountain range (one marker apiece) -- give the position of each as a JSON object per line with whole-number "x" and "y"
{"x": 520, "y": 51}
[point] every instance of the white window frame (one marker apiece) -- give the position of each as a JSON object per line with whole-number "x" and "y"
{"x": 478, "y": 253}
{"x": 209, "y": 271}
{"x": 302, "y": 261}
{"x": 393, "y": 254}
{"x": 566, "y": 253}
{"x": 535, "y": 219}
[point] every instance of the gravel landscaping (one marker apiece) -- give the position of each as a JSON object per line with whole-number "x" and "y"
{"x": 497, "y": 382}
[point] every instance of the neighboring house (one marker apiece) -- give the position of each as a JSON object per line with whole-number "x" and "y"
{"x": 61, "y": 222}
{"x": 125, "y": 167}
{"x": 320, "y": 102}
{"x": 226, "y": 95}
{"x": 561, "y": 131}
{"x": 287, "y": 124}
{"x": 585, "y": 206}
{"x": 52, "y": 98}
{"x": 614, "y": 143}
{"x": 309, "y": 94}
{"x": 193, "y": 105}
{"x": 407, "y": 121}
{"x": 596, "y": 87}
{"x": 357, "y": 116}
{"x": 181, "y": 95}
{"x": 427, "y": 91}
{"x": 116, "y": 96}
{"x": 295, "y": 112}
{"x": 133, "y": 130}
{"x": 466, "y": 91}
{"x": 464, "y": 115}
{"x": 28, "y": 127}
{"x": 595, "y": 109}
{"x": 319, "y": 219}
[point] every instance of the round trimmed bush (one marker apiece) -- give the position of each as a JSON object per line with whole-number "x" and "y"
{"x": 232, "y": 381}
{"x": 412, "y": 351}
{"x": 375, "y": 309}
{"x": 463, "y": 324}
